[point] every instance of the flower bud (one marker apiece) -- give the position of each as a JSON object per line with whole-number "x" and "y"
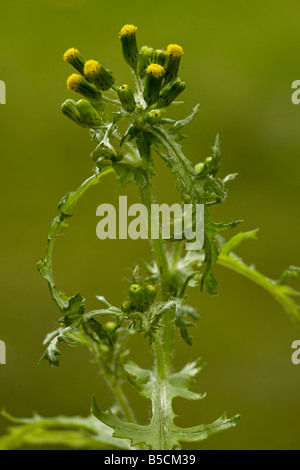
{"x": 103, "y": 348}
{"x": 70, "y": 110}
{"x": 199, "y": 167}
{"x": 174, "y": 53}
{"x": 88, "y": 113}
{"x": 146, "y": 54}
{"x": 160, "y": 57}
{"x": 136, "y": 294}
{"x": 127, "y": 306}
{"x": 110, "y": 326}
{"x": 154, "y": 116}
{"x": 100, "y": 76}
{"x": 170, "y": 92}
{"x": 73, "y": 57}
{"x": 129, "y": 45}
{"x": 155, "y": 74}
{"x": 126, "y": 97}
{"x": 79, "y": 84}
{"x": 149, "y": 294}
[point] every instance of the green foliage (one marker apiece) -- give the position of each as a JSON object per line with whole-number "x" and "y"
{"x": 131, "y": 158}
{"x": 60, "y": 431}
{"x": 162, "y": 433}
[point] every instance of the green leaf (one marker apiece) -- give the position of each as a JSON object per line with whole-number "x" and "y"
{"x": 198, "y": 188}
{"x": 65, "y": 206}
{"x": 176, "y": 128}
{"x": 161, "y": 432}
{"x": 60, "y": 431}
{"x": 53, "y": 340}
{"x": 283, "y": 293}
{"x": 237, "y": 239}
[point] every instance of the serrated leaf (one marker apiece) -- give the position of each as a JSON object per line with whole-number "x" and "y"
{"x": 283, "y": 293}
{"x": 60, "y": 431}
{"x": 198, "y": 188}
{"x": 176, "y": 128}
{"x": 53, "y": 340}
{"x": 161, "y": 432}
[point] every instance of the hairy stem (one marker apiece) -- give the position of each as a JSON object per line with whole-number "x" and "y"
{"x": 163, "y": 348}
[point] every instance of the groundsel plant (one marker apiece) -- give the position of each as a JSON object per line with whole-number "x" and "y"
{"x": 156, "y": 305}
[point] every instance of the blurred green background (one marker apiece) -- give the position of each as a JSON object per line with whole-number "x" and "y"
{"x": 239, "y": 63}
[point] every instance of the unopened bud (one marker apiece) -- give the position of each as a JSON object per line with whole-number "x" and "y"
{"x": 127, "y": 99}
{"x": 170, "y": 92}
{"x": 110, "y": 326}
{"x": 199, "y": 167}
{"x": 136, "y": 294}
{"x": 146, "y": 54}
{"x": 160, "y": 57}
{"x": 149, "y": 294}
{"x": 70, "y": 110}
{"x": 88, "y": 113}
{"x": 154, "y": 116}
{"x": 127, "y": 306}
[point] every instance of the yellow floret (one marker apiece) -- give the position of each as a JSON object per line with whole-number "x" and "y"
{"x": 91, "y": 67}
{"x": 127, "y": 30}
{"x": 174, "y": 50}
{"x": 70, "y": 54}
{"x": 156, "y": 70}
{"x": 74, "y": 81}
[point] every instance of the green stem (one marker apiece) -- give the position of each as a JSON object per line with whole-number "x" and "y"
{"x": 124, "y": 404}
{"x": 158, "y": 245}
{"x": 164, "y": 347}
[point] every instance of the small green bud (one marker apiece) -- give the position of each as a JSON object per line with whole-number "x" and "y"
{"x": 199, "y": 167}
{"x": 149, "y": 294}
{"x": 129, "y": 45}
{"x": 136, "y": 294}
{"x": 110, "y": 326}
{"x": 79, "y": 84}
{"x": 127, "y": 306}
{"x": 101, "y": 77}
{"x": 170, "y": 92}
{"x": 174, "y": 53}
{"x": 160, "y": 57}
{"x": 154, "y": 116}
{"x": 88, "y": 113}
{"x": 146, "y": 54}
{"x": 154, "y": 77}
{"x": 126, "y": 97}
{"x": 103, "y": 348}
{"x": 73, "y": 57}
{"x": 70, "y": 110}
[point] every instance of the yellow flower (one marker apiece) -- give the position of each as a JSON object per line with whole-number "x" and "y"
{"x": 91, "y": 67}
{"x": 71, "y": 54}
{"x": 79, "y": 84}
{"x": 102, "y": 77}
{"x": 172, "y": 67}
{"x": 174, "y": 50}
{"x": 73, "y": 57}
{"x": 156, "y": 70}
{"x": 127, "y": 30}
{"x": 74, "y": 81}
{"x": 154, "y": 77}
{"x": 129, "y": 44}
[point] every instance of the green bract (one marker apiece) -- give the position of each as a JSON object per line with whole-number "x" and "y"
{"x": 156, "y": 305}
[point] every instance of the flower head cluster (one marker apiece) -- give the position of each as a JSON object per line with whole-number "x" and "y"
{"x": 156, "y": 78}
